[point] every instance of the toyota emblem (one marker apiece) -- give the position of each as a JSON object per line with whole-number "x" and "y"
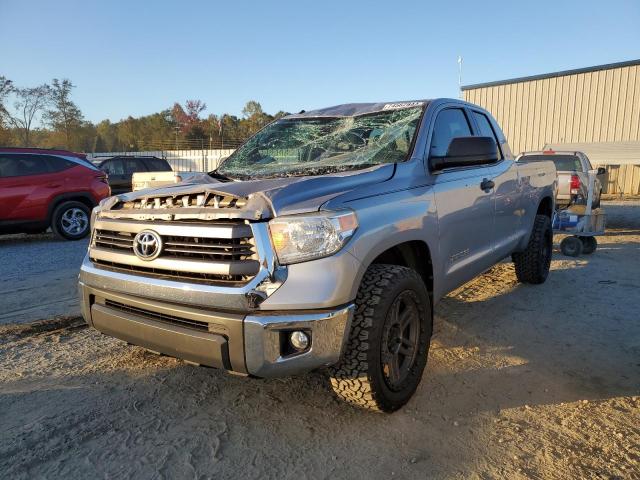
{"x": 147, "y": 245}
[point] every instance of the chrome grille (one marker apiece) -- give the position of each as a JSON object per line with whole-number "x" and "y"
{"x": 212, "y": 253}
{"x": 182, "y": 246}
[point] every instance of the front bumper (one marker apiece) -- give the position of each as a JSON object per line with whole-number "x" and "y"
{"x": 244, "y": 343}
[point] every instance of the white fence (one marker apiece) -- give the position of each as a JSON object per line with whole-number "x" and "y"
{"x": 180, "y": 160}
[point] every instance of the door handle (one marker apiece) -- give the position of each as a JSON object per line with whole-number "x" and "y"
{"x": 54, "y": 185}
{"x": 487, "y": 184}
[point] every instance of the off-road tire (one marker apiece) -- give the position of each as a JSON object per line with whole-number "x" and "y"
{"x": 589, "y": 245}
{"x": 571, "y": 246}
{"x": 359, "y": 377}
{"x": 532, "y": 265}
{"x": 57, "y": 216}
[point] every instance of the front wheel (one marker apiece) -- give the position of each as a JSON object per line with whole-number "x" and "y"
{"x": 70, "y": 220}
{"x": 389, "y": 340}
{"x": 532, "y": 265}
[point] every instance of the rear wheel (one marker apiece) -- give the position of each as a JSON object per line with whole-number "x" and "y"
{"x": 589, "y": 245}
{"x": 70, "y": 220}
{"x": 389, "y": 340}
{"x": 571, "y": 246}
{"x": 532, "y": 265}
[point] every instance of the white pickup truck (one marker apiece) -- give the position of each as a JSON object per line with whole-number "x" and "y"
{"x": 142, "y": 180}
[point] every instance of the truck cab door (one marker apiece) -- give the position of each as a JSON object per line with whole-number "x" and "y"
{"x": 507, "y": 231}
{"x": 464, "y": 198}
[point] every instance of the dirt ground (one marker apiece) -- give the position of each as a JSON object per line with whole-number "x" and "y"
{"x": 522, "y": 382}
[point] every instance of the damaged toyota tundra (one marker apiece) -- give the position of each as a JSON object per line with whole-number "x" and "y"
{"x": 323, "y": 242}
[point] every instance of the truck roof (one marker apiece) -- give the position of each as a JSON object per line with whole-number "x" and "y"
{"x": 355, "y": 109}
{"x": 550, "y": 152}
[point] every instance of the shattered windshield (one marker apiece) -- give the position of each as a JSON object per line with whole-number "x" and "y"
{"x": 317, "y": 145}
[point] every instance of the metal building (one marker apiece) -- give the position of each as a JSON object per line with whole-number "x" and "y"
{"x": 576, "y": 108}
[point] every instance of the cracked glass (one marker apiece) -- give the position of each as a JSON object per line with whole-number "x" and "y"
{"x": 319, "y": 145}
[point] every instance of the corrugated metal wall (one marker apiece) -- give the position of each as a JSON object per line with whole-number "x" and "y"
{"x": 593, "y": 106}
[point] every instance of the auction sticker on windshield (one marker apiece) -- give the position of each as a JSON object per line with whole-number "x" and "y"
{"x": 396, "y": 106}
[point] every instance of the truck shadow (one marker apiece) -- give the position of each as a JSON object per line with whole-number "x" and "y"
{"x": 510, "y": 345}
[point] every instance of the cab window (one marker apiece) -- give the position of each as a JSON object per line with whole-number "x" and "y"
{"x": 450, "y": 123}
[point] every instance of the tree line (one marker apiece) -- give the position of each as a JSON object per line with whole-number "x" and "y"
{"x": 46, "y": 116}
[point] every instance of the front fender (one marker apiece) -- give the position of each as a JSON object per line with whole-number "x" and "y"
{"x": 392, "y": 219}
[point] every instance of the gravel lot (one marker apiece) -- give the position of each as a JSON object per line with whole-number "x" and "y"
{"x": 522, "y": 382}
{"x": 39, "y": 274}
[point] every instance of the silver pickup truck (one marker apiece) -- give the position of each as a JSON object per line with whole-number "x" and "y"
{"x": 324, "y": 241}
{"x": 573, "y": 175}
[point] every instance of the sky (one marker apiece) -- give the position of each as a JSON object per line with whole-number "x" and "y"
{"x": 136, "y": 58}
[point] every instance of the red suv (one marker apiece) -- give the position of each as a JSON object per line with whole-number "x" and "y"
{"x": 42, "y": 188}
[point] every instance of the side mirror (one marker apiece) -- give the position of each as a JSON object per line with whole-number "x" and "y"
{"x": 467, "y": 152}
{"x": 601, "y": 170}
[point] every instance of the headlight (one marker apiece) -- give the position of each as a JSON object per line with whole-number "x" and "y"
{"x": 300, "y": 238}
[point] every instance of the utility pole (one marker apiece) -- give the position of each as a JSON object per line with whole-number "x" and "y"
{"x": 460, "y": 75}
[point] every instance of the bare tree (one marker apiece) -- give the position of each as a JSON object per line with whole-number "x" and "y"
{"x": 6, "y": 87}
{"x": 29, "y": 102}
{"x": 64, "y": 115}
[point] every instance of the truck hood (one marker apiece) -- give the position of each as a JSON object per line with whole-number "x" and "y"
{"x": 205, "y": 198}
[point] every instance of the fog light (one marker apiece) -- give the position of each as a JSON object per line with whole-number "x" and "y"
{"x": 299, "y": 340}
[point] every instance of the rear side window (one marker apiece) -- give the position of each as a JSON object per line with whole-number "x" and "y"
{"x": 562, "y": 162}
{"x": 450, "y": 123}
{"x": 157, "y": 165}
{"x": 23, "y": 165}
{"x": 133, "y": 165}
{"x": 113, "y": 167}
{"x": 486, "y": 130}
{"x": 59, "y": 164}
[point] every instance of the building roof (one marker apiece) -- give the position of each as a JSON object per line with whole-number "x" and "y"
{"x": 563, "y": 73}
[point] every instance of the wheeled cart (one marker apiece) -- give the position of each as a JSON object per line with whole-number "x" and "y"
{"x": 582, "y": 222}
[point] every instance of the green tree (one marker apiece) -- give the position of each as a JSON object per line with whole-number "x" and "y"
{"x": 254, "y": 118}
{"x": 108, "y": 134}
{"x": 64, "y": 116}
{"x": 252, "y": 109}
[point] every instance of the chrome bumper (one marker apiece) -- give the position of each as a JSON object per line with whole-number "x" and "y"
{"x": 251, "y": 344}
